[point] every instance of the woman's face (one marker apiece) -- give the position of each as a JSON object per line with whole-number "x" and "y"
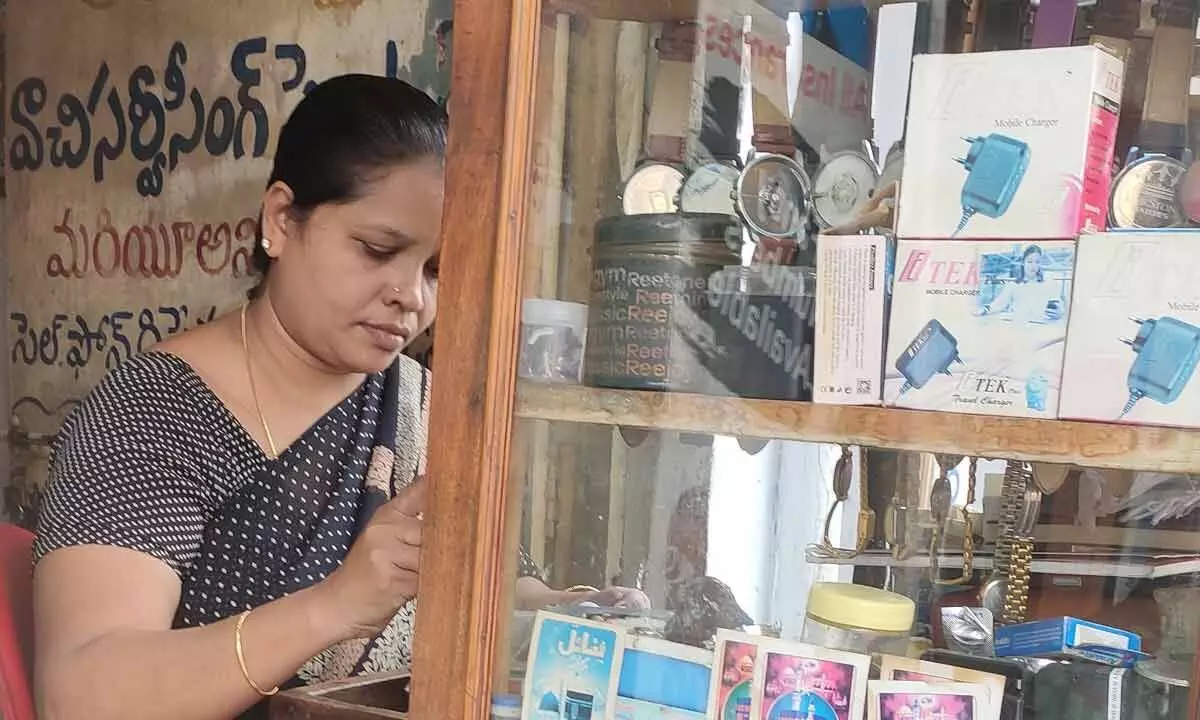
{"x": 355, "y": 282}
{"x": 1033, "y": 265}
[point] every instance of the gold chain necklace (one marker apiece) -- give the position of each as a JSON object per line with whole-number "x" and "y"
{"x": 262, "y": 418}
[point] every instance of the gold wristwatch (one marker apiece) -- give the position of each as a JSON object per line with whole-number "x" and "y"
{"x": 1006, "y": 594}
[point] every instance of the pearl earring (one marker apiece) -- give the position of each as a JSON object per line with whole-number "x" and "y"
{"x": 266, "y": 244}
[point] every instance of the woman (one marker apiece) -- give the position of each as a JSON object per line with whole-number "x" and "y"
{"x": 240, "y": 508}
{"x": 1028, "y": 298}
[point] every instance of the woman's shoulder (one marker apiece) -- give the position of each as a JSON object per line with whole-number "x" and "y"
{"x": 151, "y": 376}
{"x": 153, "y": 394}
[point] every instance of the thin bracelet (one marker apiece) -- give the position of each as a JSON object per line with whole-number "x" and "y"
{"x": 241, "y": 657}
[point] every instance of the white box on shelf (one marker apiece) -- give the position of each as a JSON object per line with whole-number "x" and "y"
{"x": 853, "y": 277}
{"x": 1134, "y": 340}
{"x": 979, "y": 327}
{"x": 1016, "y": 144}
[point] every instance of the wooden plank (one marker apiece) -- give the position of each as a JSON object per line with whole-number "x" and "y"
{"x": 487, "y": 164}
{"x": 1060, "y": 441}
{"x": 366, "y": 697}
{"x": 638, "y": 10}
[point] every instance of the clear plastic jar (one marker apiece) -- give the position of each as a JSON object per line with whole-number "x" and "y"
{"x": 506, "y": 707}
{"x": 857, "y": 618}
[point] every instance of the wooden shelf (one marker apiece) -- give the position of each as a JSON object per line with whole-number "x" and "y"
{"x": 636, "y": 10}
{"x": 1057, "y": 441}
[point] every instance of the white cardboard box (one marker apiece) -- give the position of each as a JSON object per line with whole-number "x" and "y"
{"x": 1015, "y": 144}
{"x": 979, "y": 327}
{"x": 1118, "y": 369}
{"x": 852, "y": 290}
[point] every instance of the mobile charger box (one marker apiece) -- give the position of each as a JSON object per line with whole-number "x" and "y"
{"x": 1011, "y": 144}
{"x": 979, "y": 327}
{"x": 1068, "y": 637}
{"x": 1134, "y": 338}
{"x": 661, "y": 679}
{"x": 853, "y": 289}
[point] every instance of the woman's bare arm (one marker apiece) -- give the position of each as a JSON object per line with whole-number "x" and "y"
{"x": 105, "y": 648}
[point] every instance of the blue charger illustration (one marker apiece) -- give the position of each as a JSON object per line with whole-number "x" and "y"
{"x": 996, "y": 165}
{"x": 931, "y": 352}
{"x": 1167, "y": 353}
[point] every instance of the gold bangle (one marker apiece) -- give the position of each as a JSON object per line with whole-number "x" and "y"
{"x": 241, "y": 657}
{"x": 581, "y": 588}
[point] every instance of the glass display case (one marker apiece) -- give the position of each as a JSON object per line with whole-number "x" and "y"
{"x": 819, "y": 360}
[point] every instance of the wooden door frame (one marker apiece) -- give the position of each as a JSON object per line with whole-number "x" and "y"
{"x": 463, "y": 555}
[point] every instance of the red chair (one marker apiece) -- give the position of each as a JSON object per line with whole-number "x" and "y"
{"x": 16, "y": 623}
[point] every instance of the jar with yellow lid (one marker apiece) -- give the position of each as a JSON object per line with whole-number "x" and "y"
{"x": 858, "y": 618}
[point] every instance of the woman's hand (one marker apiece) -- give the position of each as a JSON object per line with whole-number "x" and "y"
{"x": 380, "y": 573}
{"x": 618, "y": 597}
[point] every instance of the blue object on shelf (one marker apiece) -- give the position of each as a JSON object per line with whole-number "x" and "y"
{"x": 996, "y": 165}
{"x": 931, "y": 352}
{"x": 1167, "y": 353}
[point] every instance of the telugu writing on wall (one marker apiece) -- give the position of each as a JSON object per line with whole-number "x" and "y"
{"x": 137, "y": 143}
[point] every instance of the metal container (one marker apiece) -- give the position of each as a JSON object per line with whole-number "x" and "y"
{"x": 650, "y": 326}
{"x": 765, "y": 325}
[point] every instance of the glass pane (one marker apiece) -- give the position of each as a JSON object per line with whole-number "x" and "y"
{"x": 821, "y": 369}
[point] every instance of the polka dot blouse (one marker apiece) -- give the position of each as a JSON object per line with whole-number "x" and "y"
{"x": 154, "y": 462}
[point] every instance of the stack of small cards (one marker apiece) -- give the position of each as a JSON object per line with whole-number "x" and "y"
{"x": 919, "y": 690}
{"x": 584, "y": 670}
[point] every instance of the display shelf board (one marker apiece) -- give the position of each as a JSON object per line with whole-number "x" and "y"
{"x": 674, "y": 10}
{"x": 635, "y": 10}
{"x": 1135, "y": 567}
{"x": 1057, "y": 441}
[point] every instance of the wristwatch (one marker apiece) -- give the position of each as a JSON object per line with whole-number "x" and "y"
{"x": 1146, "y": 194}
{"x": 774, "y": 196}
{"x": 843, "y": 187}
{"x": 711, "y": 188}
{"x": 653, "y": 188}
{"x": 1006, "y": 593}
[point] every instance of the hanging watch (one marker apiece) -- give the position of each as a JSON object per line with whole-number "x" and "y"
{"x": 773, "y": 196}
{"x": 1006, "y": 593}
{"x": 652, "y": 189}
{"x": 843, "y": 187}
{"x": 710, "y": 189}
{"x": 941, "y": 500}
{"x": 1146, "y": 194}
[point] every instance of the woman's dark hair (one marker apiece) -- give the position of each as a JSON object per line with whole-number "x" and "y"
{"x": 1030, "y": 250}
{"x": 341, "y": 136}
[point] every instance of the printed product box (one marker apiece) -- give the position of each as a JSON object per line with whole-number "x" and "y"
{"x": 853, "y": 288}
{"x": 1010, "y": 145}
{"x": 796, "y": 680}
{"x": 1068, "y": 637}
{"x": 573, "y": 669}
{"x": 662, "y": 680}
{"x": 735, "y": 660}
{"x": 979, "y": 327}
{"x": 1134, "y": 340}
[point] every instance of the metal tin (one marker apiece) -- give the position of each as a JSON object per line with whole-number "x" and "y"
{"x": 650, "y": 325}
{"x": 710, "y": 189}
{"x": 773, "y": 196}
{"x": 1145, "y": 194}
{"x": 843, "y": 187}
{"x": 652, "y": 188}
{"x": 765, "y": 323}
